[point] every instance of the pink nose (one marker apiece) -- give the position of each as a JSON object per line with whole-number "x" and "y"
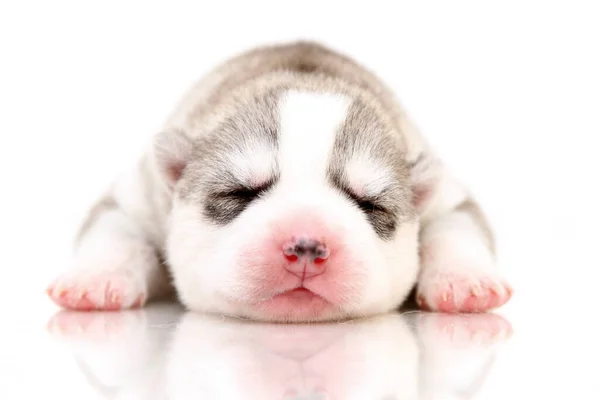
{"x": 305, "y": 257}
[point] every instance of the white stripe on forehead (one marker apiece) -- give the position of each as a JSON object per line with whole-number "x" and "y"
{"x": 308, "y": 127}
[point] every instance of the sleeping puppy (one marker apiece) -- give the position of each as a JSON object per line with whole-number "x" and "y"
{"x": 288, "y": 185}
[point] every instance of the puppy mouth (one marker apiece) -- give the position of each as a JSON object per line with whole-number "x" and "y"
{"x": 299, "y": 293}
{"x": 299, "y": 290}
{"x": 294, "y": 304}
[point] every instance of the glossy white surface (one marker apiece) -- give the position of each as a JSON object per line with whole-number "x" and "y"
{"x": 162, "y": 352}
{"x": 507, "y": 92}
{"x": 159, "y": 353}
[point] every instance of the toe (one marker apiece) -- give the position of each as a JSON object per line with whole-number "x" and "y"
{"x": 451, "y": 293}
{"x": 446, "y": 302}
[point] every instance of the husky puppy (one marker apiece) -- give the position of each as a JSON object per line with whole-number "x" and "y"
{"x": 288, "y": 185}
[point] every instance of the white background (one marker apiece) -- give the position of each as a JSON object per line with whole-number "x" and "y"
{"x": 508, "y": 93}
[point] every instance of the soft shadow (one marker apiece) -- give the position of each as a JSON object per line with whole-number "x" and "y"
{"x": 160, "y": 352}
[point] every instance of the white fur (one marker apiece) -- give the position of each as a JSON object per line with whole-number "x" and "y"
{"x": 456, "y": 260}
{"x": 205, "y": 259}
{"x": 119, "y": 249}
{"x": 457, "y": 233}
{"x": 111, "y": 255}
{"x": 204, "y": 262}
{"x": 253, "y": 164}
{"x": 308, "y": 127}
{"x": 447, "y": 194}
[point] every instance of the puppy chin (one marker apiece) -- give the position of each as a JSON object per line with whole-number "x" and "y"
{"x": 288, "y": 307}
{"x": 316, "y": 311}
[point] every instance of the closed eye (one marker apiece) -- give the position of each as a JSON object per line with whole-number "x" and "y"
{"x": 367, "y": 205}
{"x": 247, "y": 194}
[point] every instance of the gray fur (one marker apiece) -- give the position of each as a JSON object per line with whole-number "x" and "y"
{"x": 364, "y": 133}
{"x": 209, "y": 181}
{"x": 211, "y": 184}
{"x": 237, "y": 102}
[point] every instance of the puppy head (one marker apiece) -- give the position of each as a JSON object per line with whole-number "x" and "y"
{"x": 298, "y": 206}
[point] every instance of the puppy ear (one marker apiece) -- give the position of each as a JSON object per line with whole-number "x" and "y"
{"x": 425, "y": 175}
{"x": 172, "y": 152}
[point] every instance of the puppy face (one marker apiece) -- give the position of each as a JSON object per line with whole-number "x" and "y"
{"x": 298, "y": 207}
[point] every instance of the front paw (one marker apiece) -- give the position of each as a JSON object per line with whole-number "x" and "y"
{"x": 462, "y": 291}
{"x": 86, "y": 290}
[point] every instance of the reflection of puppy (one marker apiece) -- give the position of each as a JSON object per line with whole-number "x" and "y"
{"x": 370, "y": 359}
{"x": 121, "y": 355}
{"x": 288, "y": 185}
{"x": 413, "y": 356}
{"x": 457, "y": 353}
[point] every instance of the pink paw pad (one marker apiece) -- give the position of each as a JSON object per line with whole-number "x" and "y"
{"x": 451, "y": 295}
